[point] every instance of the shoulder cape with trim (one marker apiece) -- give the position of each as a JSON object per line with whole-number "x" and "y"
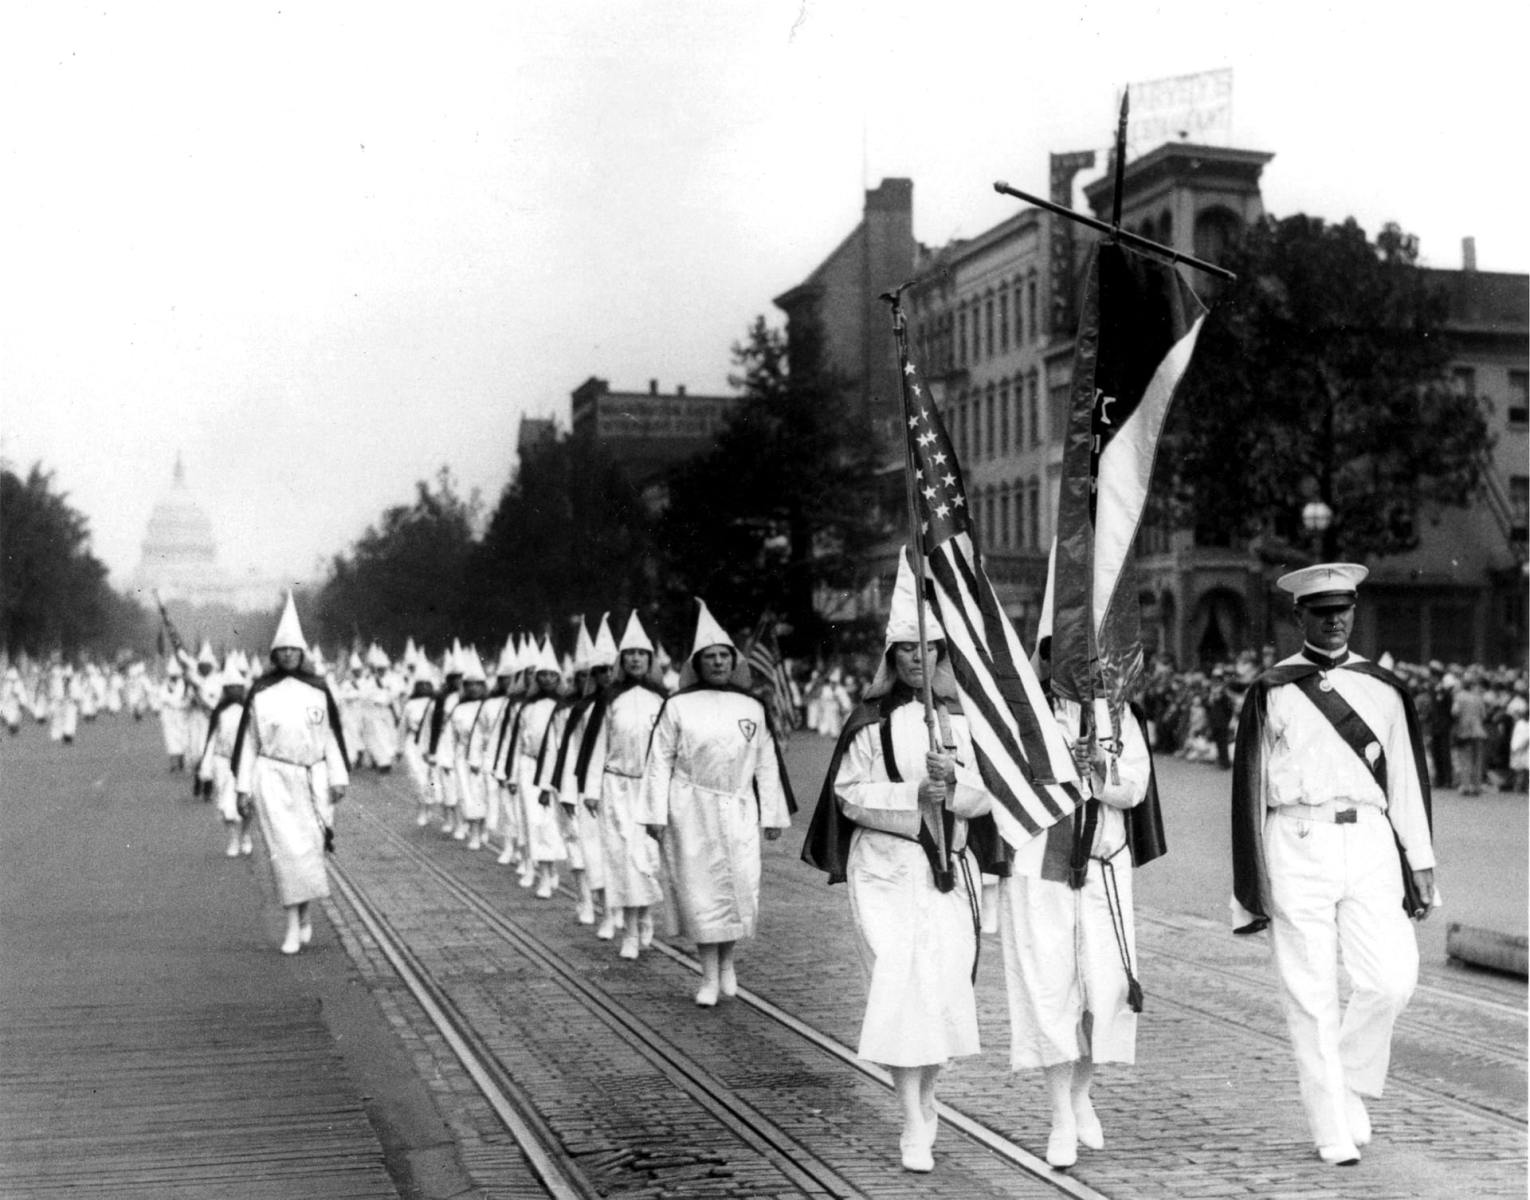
{"x": 275, "y": 677}
{"x": 775, "y": 742}
{"x": 597, "y": 717}
{"x": 1250, "y": 884}
{"x": 827, "y": 844}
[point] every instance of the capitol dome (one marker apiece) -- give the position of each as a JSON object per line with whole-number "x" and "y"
{"x": 180, "y": 555}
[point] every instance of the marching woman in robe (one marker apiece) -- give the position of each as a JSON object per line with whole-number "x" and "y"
{"x": 609, "y": 775}
{"x": 485, "y": 735}
{"x": 216, "y": 768}
{"x": 411, "y": 721}
{"x": 378, "y": 709}
{"x": 712, "y": 782}
{"x": 544, "y": 844}
{"x": 290, "y": 766}
{"x": 915, "y": 895}
{"x": 502, "y": 736}
{"x": 457, "y": 746}
{"x": 442, "y": 776}
{"x": 1067, "y": 928}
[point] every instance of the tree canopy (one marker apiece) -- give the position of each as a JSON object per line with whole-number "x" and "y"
{"x": 54, "y": 593}
{"x": 1322, "y": 375}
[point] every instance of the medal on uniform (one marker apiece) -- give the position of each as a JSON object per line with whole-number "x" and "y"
{"x": 1324, "y": 684}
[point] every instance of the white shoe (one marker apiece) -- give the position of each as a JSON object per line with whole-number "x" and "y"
{"x": 645, "y": 931}
{"x": 1339, "y": 1155}
{"x": 527, "y": 876}
{"x": 630, "y": 949}
{"x": 707, "y": 996}
{"x": 1090, "y": 1135}
{"x": 727, "y": 981}
{"x": 474, "y": 843}
{"x": 233, "y": 849}
{"x": 586, "y": 912}
{"x": 1062, "y": 1149}
{"x": 305, "y": 932}
{"x": 446, "y": 825}
{"x": 293, "y": 943}
{"x": 459, "y": 833}
{"x": 914, "y": 1147}
{"x": 607, "y": 929}
{"x": 422, "y": 820}
{"x": 506, "y": 856}
{"x": 544, "y": 889}
{"x": 246, "y": 845}
{"x": 1358, "y": 1119}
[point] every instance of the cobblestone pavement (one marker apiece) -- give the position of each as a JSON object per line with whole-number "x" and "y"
{"x": 1210, "y": 1109}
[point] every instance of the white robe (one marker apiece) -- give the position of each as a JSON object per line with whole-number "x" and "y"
{"x": 578, "y": 825}
{"x": 377, "y": 728}
{"x": 615, "y": 781}
{"x": 289, "y": 761}
{"x": 539, "y": 821}
{"x": 472, "y": 784}
{"x": 713, "y": 779}
{"x": 917, "y": 945}
{"x": 415, "y": 710}
{"x": 216, "y": 766}
{"x": 1062, "y": 961}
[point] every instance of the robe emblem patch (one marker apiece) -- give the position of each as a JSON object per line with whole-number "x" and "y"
{"x": 748, "y": 727}
{"x": 316, "y": 716}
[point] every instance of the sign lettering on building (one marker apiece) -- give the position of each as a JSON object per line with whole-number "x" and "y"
{"x": 1193, "y": 108}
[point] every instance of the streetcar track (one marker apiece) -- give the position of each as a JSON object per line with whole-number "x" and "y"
{"x": 776, "y": 1146}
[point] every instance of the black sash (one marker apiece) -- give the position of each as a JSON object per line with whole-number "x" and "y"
{"x": 1348, "y": 724}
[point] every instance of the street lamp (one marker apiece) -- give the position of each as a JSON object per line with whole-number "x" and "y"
{"x": 1317, "y": 517}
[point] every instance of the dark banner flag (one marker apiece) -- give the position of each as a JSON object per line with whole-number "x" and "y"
{"x": 1019, "y": 746}
{"x": 1136, "y": 333}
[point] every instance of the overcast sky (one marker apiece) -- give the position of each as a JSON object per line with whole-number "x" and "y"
{"x": 323, "y": 249}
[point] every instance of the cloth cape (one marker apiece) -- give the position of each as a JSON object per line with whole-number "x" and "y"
{"x": 1250, "y": 884}
{"x": 275, "y": 677}
{"x": 775, "y": 742}
{"x": 827, "y": 844}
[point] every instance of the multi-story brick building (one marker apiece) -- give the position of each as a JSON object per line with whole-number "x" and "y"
{"x": 648, "y": 432}
{"x": 992, "y": 324}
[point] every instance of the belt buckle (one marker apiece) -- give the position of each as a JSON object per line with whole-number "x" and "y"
{"x": 1346, "y": 816}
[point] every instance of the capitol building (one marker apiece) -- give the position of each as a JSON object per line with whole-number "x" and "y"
{"x": 180, "y": 559}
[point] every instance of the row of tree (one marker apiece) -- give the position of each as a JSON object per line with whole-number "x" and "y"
{"x": 1321, "y": 374}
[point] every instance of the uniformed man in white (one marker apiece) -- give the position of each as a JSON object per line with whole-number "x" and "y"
{"x": 1332, "y": 851}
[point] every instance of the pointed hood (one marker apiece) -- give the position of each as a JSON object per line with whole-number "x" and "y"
{"x": 289, "y": 634}
{"x": 710, "y": 633}
{"x": 584, "y": 648}
{"x": 903, "y": 626}
{"x": 635, "y": 637}
{"x": 377, "y": 657}
{"x": 604, "y": 654}
{"x": 471, "y": 666}
{"x": 454, "y": 659}
{"x": 206, "y": 657}
{"x": 546, "y": 660}
{"x": 509, "y": 658}
{"x": 411, "y": 655}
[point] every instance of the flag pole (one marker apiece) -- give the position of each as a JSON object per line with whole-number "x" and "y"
{"x": 900, "y": 334}
{"x": 1125, "y": 235}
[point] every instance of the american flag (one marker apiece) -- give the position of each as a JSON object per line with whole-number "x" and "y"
{"x": 764, "y": 658}
{"x": 1019, "y": 746}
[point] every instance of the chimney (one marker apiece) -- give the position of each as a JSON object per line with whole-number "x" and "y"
{"x": 653, "y": 387}
{"x": 1468, "y": 254}
{"x": 679, "y": 389}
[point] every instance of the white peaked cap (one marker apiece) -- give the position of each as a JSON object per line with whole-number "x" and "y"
{"x": 546, "y": 660}
{"x": 355, "y": 663}
{"x": 232, "y": 663}
{"x": 566, "y": 666}
{"x": 471, "y": 665}
{"x": 635, "y": 637}
{"x": 509, "y": 658}
{"x": 605, "y": 645}
{"x": 709, "y": 632}
{"x": 411, "y": 653}
{"x": 525, "y": 652}
{"x": 1326, "y": 585}
{"x": 454, "y": 659}
{"x": 584, "y": 649}
{"x": 903, "y": 613}
{"x": 377, "y": 657}
{"x": 206, "y": 655}
{"x": 289, "y": 634}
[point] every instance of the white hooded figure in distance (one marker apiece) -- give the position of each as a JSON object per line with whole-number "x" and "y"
{"x": 608, "y": 773}
{"x": 216, "y": 767}
{"x": 544, "y": 843}
{"x": 457, "y": 742}
{"x": 712, "y": 782}
{"x": 377, "y": 705}
{"x": 411, "y": 724}
{"x": 289, "y": 756}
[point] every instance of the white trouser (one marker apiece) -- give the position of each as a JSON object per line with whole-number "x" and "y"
{"x": 1338, "y": 888}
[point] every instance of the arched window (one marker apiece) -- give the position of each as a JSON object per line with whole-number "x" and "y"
{"x": 989, "y": 443}
{"x": 1032, "y": 325}
{"x": 1003, "y": 320}
{"x": 988, "y": 342}
{"x": 1004, "y": 416}
{"x": 1216, "y": 229}
{"x": 1033, "y": 405}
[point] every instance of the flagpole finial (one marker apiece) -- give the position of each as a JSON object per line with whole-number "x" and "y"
{"x": 1115, "y": 218}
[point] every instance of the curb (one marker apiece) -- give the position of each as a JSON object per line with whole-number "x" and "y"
{"x": 1486, "y": 948}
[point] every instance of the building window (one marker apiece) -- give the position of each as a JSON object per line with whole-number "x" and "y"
{"x": 1519, "y": 399}
{"x": 1019, "y": 316}
{"x": 1030, "y": 304}
{"x": 1003, "y": 320}
{"x": 963, "y": 424}
{"x": 1519, "y": 506}
{"x": 1004, "y": 416}
{"x": 989, "y": 444}
{"x": 1004, "y": 519}
{"x": 990, "y": 506}
{"x": 1019, "y": 514}
{"x": 1033, "y": 406}
{"x": 1033, "y": 515}
{"x": 961, "y": 338}
{"x": 988, "y": 342}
